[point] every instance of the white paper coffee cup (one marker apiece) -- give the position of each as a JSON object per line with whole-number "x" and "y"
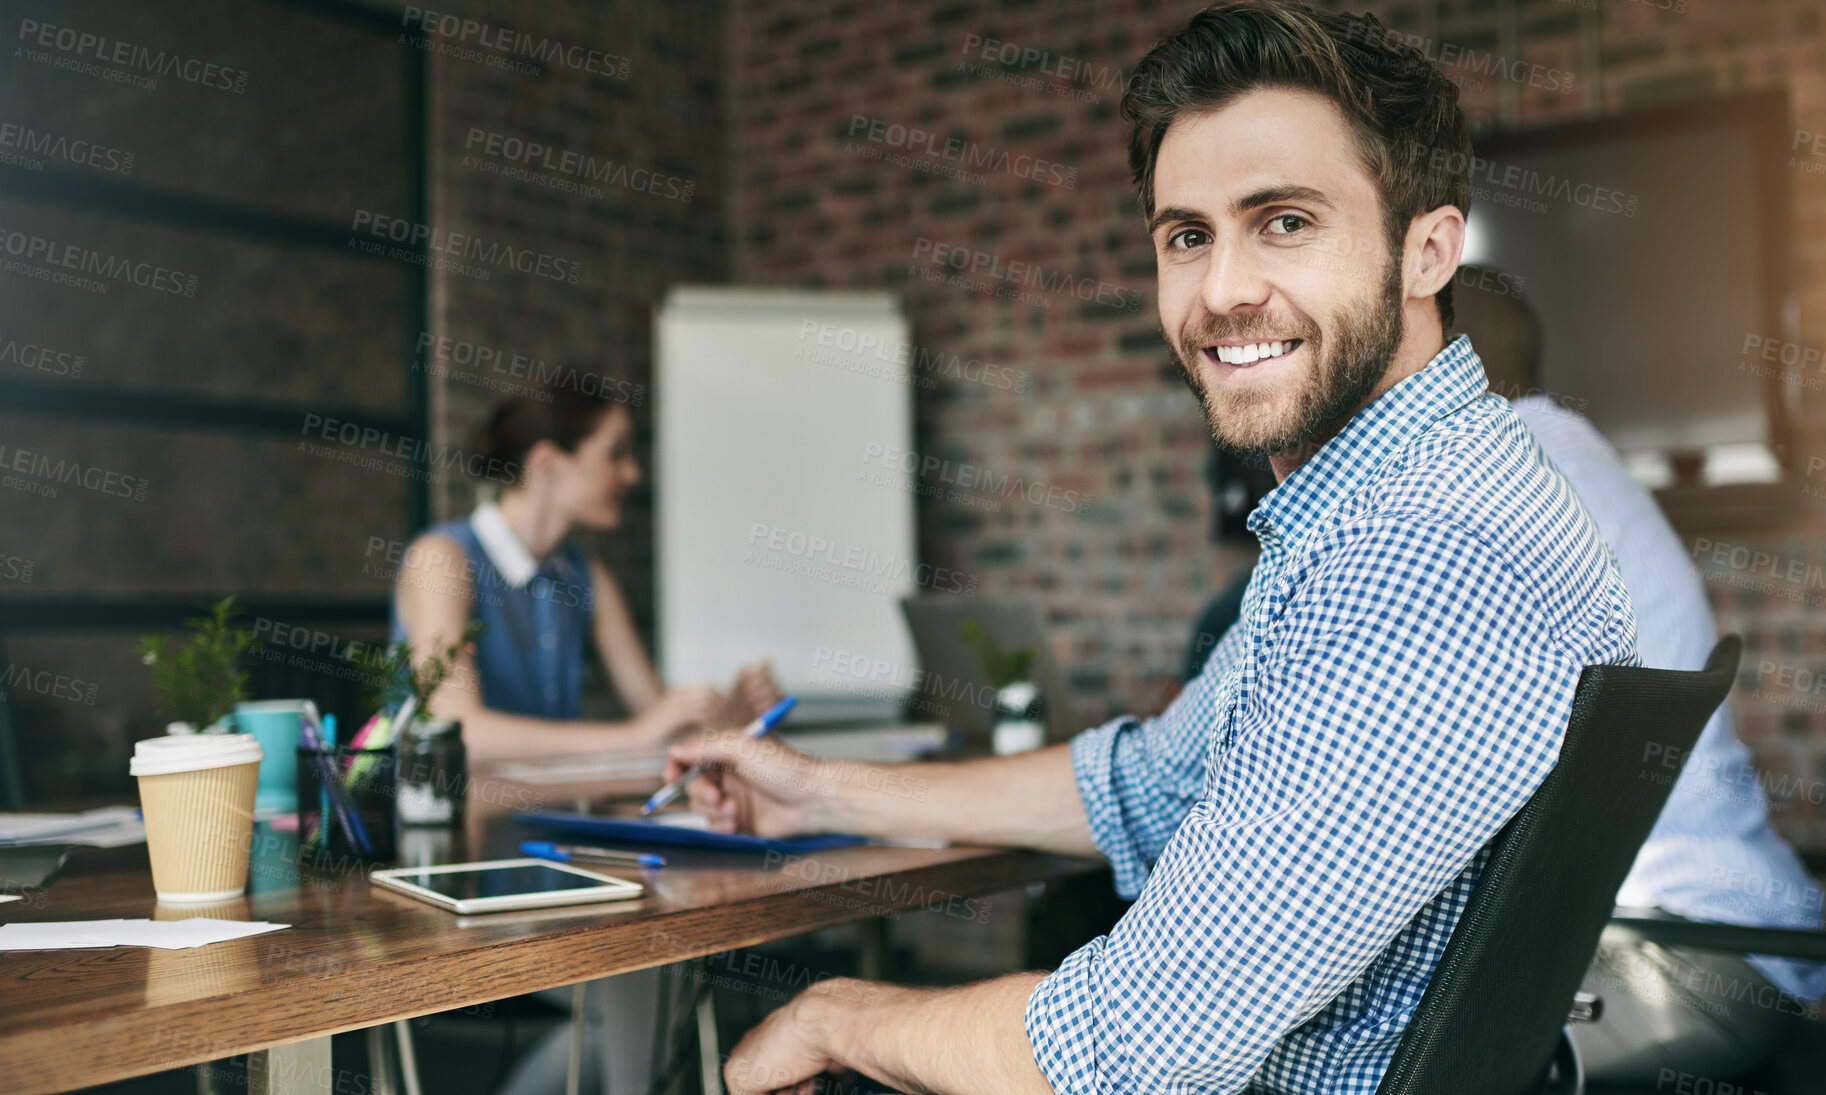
{"x": 197, "y": 792}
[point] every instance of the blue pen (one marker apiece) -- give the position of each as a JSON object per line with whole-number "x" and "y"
{"x": 759, "y": 728}
{"x": 345, "y": 812}
{"x": 564, "y": 853}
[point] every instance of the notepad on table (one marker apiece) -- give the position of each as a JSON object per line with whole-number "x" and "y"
{"x": 106, "y": 827}
{"x": 679, "y": 828}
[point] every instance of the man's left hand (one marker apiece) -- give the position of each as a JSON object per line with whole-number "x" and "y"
{"x": 787, "y": 1052}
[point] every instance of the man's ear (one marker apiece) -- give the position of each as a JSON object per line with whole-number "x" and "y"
{"x": 1436, "y": 241}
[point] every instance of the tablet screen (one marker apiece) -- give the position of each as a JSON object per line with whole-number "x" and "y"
{"x": 499, "y": 881}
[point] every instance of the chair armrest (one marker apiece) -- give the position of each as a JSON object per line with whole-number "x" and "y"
{"x": 1732, "y": 938}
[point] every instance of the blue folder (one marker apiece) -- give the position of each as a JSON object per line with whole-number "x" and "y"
{"x": 654, "y": 832}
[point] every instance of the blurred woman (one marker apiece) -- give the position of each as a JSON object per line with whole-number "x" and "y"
{"x": 566, "y": 463}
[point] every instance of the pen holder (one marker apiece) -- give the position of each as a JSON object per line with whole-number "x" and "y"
{"x": 433, "y": 773}
{"x": 348, "y": 804}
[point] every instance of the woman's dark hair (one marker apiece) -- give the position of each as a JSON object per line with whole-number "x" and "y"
{"x": 562, "y": 415}
{"x": 1411, "y": 134}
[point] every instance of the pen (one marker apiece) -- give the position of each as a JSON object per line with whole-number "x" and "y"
{"x": 349, "y": 816}
{"x": 326, "y": 739}
{"x": 759, "y": 728}
{"x": 564, "y": 853}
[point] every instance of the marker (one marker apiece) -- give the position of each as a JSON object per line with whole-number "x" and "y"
{"x": 759, "y": 728}
{"x": 564, "y": 853}
{"x": 345, "y": 814}
{"x": 326, "y": 739}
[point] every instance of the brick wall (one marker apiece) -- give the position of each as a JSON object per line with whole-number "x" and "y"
{"x": 630, "y": 194}
{"x": 632, "y": 190}
{"x": 313, "y": 134}
{"x": 828, "y": 94}
{"x": 791, "y": 125}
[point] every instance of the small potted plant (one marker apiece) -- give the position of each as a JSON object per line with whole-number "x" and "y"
{"x": 396, "y": 680}
{"x": 1018, "y": 704}
{"x": 200, "y": 682}
{"x": 433, "y": 765}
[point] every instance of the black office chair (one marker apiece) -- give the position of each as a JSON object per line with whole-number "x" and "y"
{"x": 1492, "y": 1020}
{"x": 1795, "y": 1067}
{"x": 1806, "y": 946}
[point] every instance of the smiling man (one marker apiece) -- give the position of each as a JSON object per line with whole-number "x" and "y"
{"x": 1302, "y": 826}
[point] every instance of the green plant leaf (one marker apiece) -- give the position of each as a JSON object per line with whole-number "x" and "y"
{"x": 1002, "y": 667}
{"x": 201, "y": 680}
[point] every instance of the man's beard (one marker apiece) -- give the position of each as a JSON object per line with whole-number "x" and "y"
{"x": 1345, "y": 370}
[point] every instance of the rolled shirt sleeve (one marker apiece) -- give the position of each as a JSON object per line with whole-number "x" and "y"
{"x": 1139, "y": 778}
{"x": 1403, "y": 702}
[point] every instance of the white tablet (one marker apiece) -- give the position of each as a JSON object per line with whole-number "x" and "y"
{"x": 503, "y": 884}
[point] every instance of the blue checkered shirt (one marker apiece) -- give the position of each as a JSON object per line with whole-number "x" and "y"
{"x": 1304, "y": 824}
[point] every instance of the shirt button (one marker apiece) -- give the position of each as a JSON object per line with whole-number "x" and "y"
{"x": 549, "y": 640}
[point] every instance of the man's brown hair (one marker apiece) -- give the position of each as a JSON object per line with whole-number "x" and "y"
{"x": 1411, "y": 135}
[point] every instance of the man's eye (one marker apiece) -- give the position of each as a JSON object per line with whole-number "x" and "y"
{"x": 1187, "y": 238}
{"x": 1298, "y": 222}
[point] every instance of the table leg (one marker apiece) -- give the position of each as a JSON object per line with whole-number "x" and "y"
{"x": 301, "y": 1068}
{"x": 709, "y": 1055}
{"x": 380, "y": 1062}
{"x": 408, "y": 1057}
{"x": 573, "y": 1077}
{"x": 872, "y": 954}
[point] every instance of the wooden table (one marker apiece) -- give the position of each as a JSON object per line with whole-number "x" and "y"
{"x": 358, "y": 956}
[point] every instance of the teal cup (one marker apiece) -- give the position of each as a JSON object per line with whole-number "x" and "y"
{"x": 277, "y": 725}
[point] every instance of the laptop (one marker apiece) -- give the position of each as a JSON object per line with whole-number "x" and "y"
{"x": 954, "y": 689}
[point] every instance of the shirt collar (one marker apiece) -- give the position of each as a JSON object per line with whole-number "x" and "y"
{"x": 1342, "y": 466}
{"x": 509, "y": 556}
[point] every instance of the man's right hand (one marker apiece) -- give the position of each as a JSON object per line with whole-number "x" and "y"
{"x": 768, "y": 788}
{"x": 757, "y": 785}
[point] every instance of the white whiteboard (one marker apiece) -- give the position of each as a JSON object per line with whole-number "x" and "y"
{"x": 772, "y": 542}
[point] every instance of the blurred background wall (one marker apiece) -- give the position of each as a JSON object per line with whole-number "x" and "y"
{"x": 1107, "y": 413}
{"x": 762, "y": 142}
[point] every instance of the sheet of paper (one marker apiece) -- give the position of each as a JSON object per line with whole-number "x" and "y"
{"x": 888, "y": 743}
{"x": 177, "y": 935}
{"x": 585, "y": 768}
{"x": 23, "y": 827}
{"x": 880, "y": 744}
{"x": 196, "y": 931}
{"x": 128, "y": 828}
{"x": 55, "y": 935}
{"x": 106, "y": 827}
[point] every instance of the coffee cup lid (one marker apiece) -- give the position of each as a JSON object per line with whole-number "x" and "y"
{"x": 192, "y": 752}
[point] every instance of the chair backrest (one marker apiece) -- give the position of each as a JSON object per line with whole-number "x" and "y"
{"x": 1492, "y": 1015}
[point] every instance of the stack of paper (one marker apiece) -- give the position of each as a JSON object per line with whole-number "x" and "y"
{"x": 585, "y": 767}
{"x": 871, "y": 744}
{"x": 107, "y": 827}
{"x": 170, "y": 935}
